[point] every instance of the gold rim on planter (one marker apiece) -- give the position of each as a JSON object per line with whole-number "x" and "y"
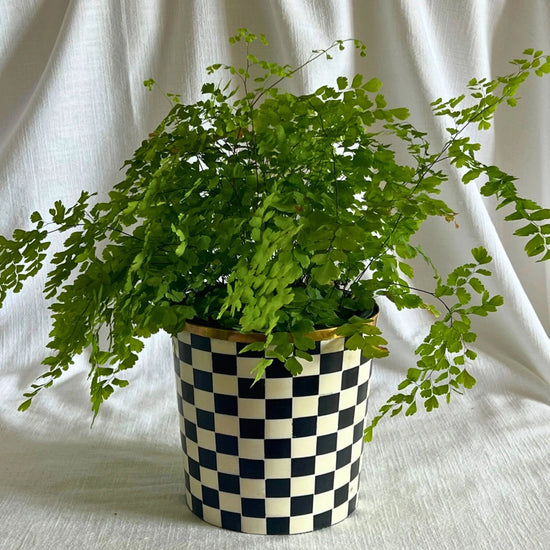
{"x": 248, "y": 338}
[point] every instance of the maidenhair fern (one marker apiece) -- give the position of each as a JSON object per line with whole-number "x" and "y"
{"x": 260, "y": 210}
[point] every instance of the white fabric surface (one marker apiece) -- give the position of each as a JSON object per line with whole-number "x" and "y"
{"x": 473, "y": 475}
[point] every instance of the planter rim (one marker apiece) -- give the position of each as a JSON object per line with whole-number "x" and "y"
{"x": 250, "y": 337}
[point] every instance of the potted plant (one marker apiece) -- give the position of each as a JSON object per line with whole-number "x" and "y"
{"x": 259, "y": 228}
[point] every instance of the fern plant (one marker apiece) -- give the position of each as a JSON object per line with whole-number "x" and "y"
{"x": 264, "y": 211}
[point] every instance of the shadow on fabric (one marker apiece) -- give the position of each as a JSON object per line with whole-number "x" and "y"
{"x": 108, "y": 477}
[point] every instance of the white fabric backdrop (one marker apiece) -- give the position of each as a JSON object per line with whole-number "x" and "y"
{"x": 72, "y": 109}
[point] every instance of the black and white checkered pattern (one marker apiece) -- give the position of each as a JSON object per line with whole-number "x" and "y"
{"x": 280, "y": 457}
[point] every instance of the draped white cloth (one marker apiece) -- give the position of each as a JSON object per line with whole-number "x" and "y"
{"x": 474, "y": 474}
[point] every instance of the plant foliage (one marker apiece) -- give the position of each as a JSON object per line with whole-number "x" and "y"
{"x": 265, "y": 211}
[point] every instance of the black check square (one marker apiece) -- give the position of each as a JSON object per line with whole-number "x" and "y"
{"x": 326, "y": 444}
{"x": 226, "y": 404}
{"x": 277, "y": 448}
{"x": 305, "y": 385}
{"x": 196, "y": 506}
{"x": 227, "y": 444}
{"x": 187, "y": 392}
{"x": 207, "y": 459}
{"x": 210, "y": 497}
{"x": 278, "y": 408}
{"x": 251, "y": 428}
{"x": 278, "y": 526}
{"x": 358, "y": 431}
{"x": 345, "y": 417}
{"x": 341, "y": 495}
{"x": 231, "y": 520}
{"x": 349, "y": 378}
{"x": 248, "y": 390}
{"x": 194, "y": 468}
{"x": 177, "y": 365}
{"x": 205, "y": 420}
{"x": 253, "y": 507}
{"x": 202, "y": 380}
{"x": 224, "y": 364}
{"x": 324, "y": 483}
{"x": 190, "y": 430}
{"x": 355, "y": 468}
{"x": 332, "y": 362}
{"x": 304, "y": 466}
{"x": 343, "y": 457}
{"x": 362, "y": 392}
{"x": 304, "y": 426}
{"x": 184, "y": 353}
{"x": 329, "y": 404}
{"x": 229, "y": 483}
{"x": 277, "y": 487}
{"x": 200, "y": 342}
{"x": 251, "y": 468}
{"x": 322, "y": 520}
{"x": 301, "y": 505}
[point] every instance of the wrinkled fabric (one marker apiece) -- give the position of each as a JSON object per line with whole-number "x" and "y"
{"x": 72, "y": 108}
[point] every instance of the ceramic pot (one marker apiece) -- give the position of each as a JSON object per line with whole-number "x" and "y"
{"x": 282, "y": 456}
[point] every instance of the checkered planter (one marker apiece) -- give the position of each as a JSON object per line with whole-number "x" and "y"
{"x": 280, "y": 457}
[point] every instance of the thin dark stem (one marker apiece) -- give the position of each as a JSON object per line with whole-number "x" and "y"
{"x": 424, "y": 292}
{"x": 311, "y": 59}
{"x": 422, "y": 174}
